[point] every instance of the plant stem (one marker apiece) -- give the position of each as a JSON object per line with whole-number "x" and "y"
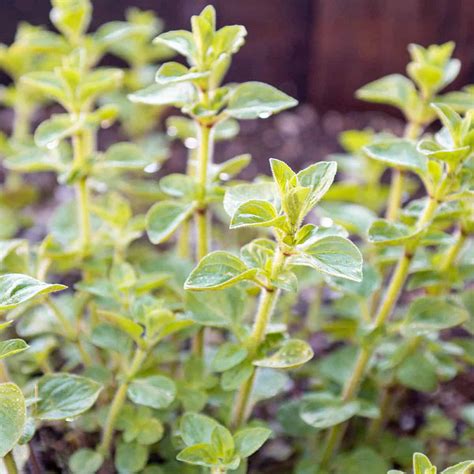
{"x": 70, "y": 332}
{"x": 22, "y": 112}
{"x": 385, "y": 404}
{"x": 4, "y": 375}
{"x": 412, "y": 132}
{"x": 10, "y": 463}
{"x": 268, "y": 299}
{"x": 392, "y": 294}
{"x": 183, "y": 241}
{"x": 396, "y": 193}
{"x": 204, "y": 160}
{"x": 202, "y": 217}
{"x": 81, "y": 146}
{"x": 118, "y": 401}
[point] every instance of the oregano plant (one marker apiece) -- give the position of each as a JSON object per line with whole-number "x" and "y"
{"x": 193, "y": 321}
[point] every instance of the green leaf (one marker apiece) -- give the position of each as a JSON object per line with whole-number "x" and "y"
{"x": 127, "y": 325}
{"x": 12, "y": 416}
{"x": 283, "y": 175}
{"x": 333, "y": 255}
{"x": 255, "y": 213}
{"x": 223, "y": 442}
{"x": 394, "y": 89}
{"x": 178, "y": 94}
{"x": 99, "y": 81}
{"x": 418, "y": 373}
{"x": 229, "y": 355}
{"x": 466, "y": 467}
{"x": 62, "y": 396}
{"x": 252, "y": 100}
{"x": 421, "y": 464}
{"x": 51, "y": 131}
{"x": 172, "y": 72}
{"x": 85, "y": 461}
{"x": 235, "y": 196}
{"x": 164, "y": 218}
{"x": 250, "y": 440}
{"x": 131, "y": 457}
{"x": 293, "y": 353}
{"x": 218, "y": 270}
{"x": 229, "y": 39}
{"x": 202, "y": 454}
{"x": 323, "y": 411}
{"x": 124, "y": 156}
{"x": 47, "y": 83}
{"x": 398, "y": 153}
{"x": 319, "y": 178}
{"x": 195, "y": 428}
{"x": 12, "y": 347}
{"x": 432, "y": 314}
{"x": 16, "y": 289}
{"x": 156, "y": 391}
{"x": 227, "y": 169}
{"x": 361, "y": 460}
{"x": 233, "y": 378}
{"x": 221, "y": 309}
{"x": 383, "y": 232}
{"x": 181, "y": 41}
{"x": 179, "y": 186}
{"x": 71, "y": 18}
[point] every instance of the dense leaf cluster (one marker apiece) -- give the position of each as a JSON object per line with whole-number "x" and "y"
{"x": 194, "y": 298}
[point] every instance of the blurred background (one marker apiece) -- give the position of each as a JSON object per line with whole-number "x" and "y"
{"x": 319, "y": 51}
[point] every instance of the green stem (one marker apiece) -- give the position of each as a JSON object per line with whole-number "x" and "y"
{"x": 202, "y": 216}
{"x": 82, "y": 148}
{"x": 396, "y": 193}
{"x": 412, "y": 132}
{"x": 4, "y": 375}
{"x": 117, "y": 403}
{"x": 268, "y": 299}
{"x": 70, "y": 332}
{"x": 392, "y": 294}
{"x": 183, "y": 241}
{"x": 21, "y": 116}
{"x": 10, "y": 463}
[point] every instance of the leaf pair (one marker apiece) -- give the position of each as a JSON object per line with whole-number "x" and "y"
{"x": 211, "y": 445}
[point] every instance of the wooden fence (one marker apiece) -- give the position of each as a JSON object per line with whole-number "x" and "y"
{"x": 319, "y": 50}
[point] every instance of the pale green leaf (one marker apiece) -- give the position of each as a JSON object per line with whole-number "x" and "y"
{"x": 250, "y": 440}
{"x": 62, "y": 396}
{"x": 173, "y": 72}
{"x": 252, "y": 100}
{"x": 156, "y": 391}
{"x": 293, "y": 353}
{"x": 394, "y": 89}
{"x": 16, "y": 289}
{"x": 164, "y": 218}
{"x": 218, "y": 270}
{"x": 85, "y": 461}
{"x": 12, "y": 416}
{"x": 323, "y": 411}
{"x": 398, "y": 153}
{"x": 12, "y": 347}
{"x": 177, "y": 94}
{"x": 254, "y": 213}
{"x": 333, "y": 255}
{"x": 432, "y": 314}
{"x": 180, "y": 40}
